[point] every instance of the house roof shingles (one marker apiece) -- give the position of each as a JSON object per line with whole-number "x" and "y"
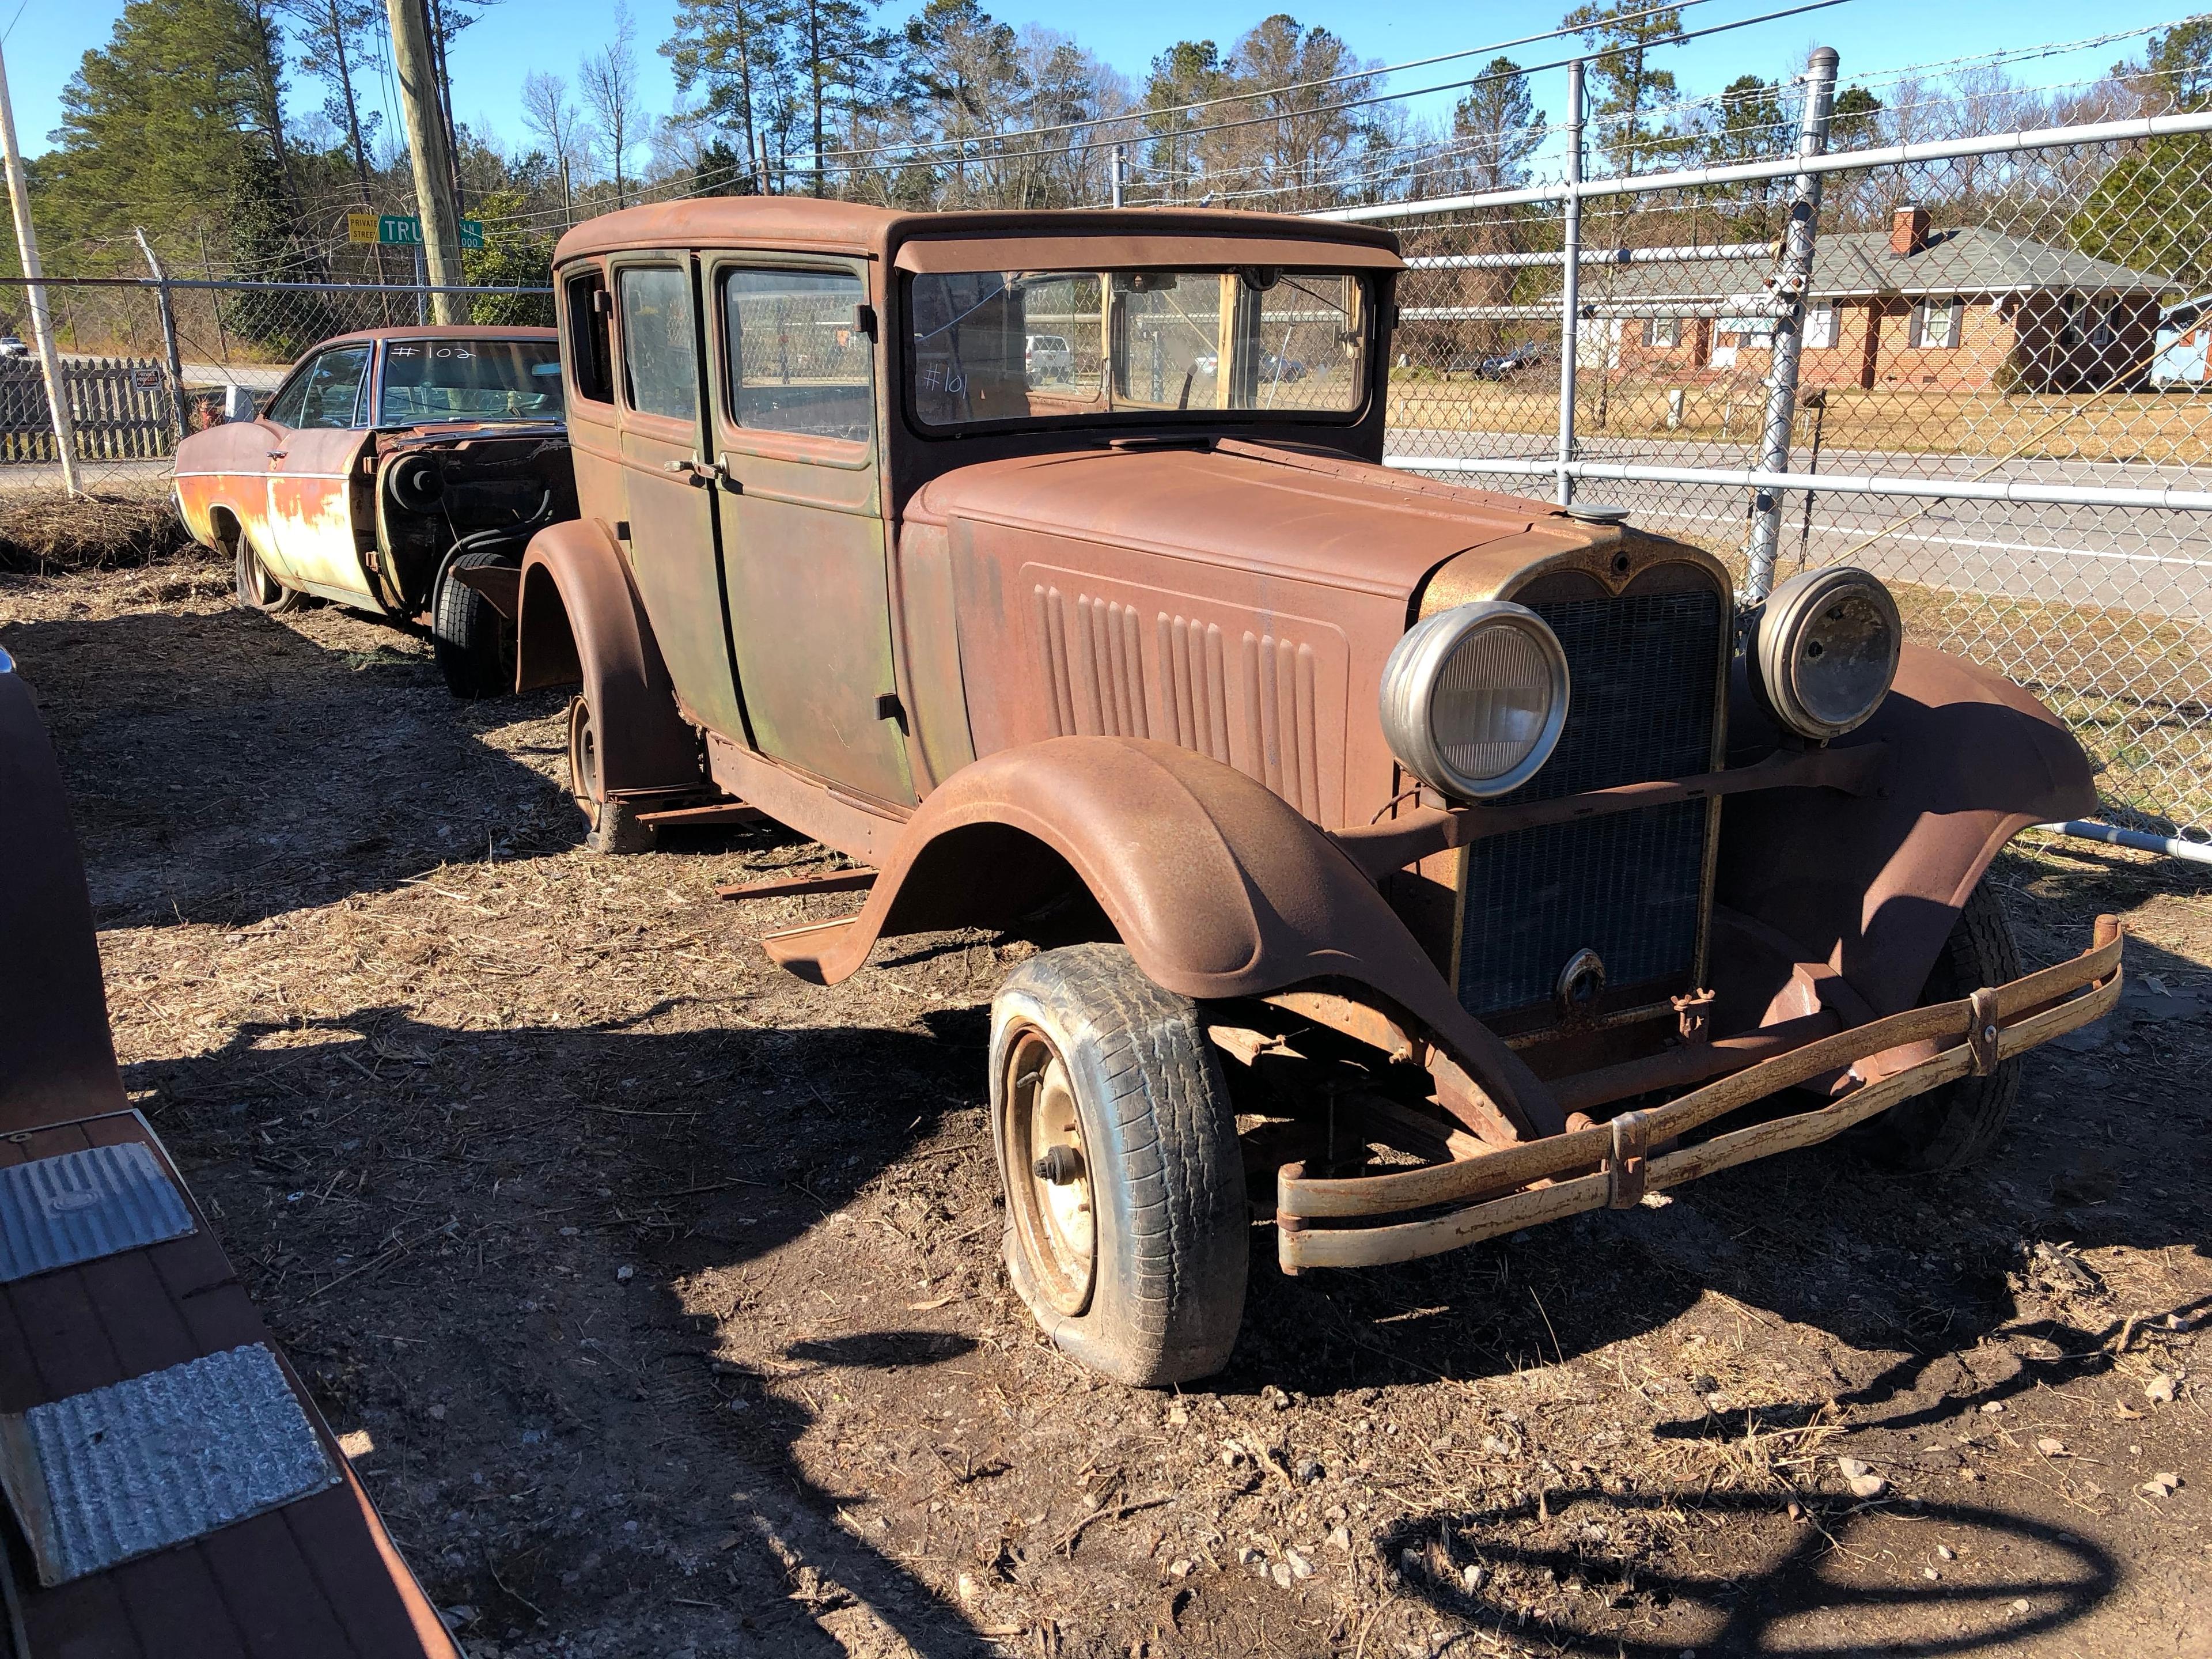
{"x": 1855, "y": 264}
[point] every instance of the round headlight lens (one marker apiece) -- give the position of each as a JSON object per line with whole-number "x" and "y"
{"x": 1827, "y": 650}
{"x": 1474, "y": 698}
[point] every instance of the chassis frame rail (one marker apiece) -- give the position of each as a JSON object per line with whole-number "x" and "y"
{"x": 1609, "y": 1165}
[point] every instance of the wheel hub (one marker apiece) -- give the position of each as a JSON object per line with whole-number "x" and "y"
{"x": 1049, "y": 1176}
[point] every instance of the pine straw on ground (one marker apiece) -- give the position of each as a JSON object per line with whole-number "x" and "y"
{"x": 661, "y": 1291}
{"x": 43, "y": 531}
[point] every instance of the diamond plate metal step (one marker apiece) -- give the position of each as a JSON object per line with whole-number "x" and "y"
{"x": 79, "y": 1206}
{"x": 120, "y": 1472}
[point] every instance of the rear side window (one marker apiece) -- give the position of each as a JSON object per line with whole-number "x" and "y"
{"x": 332, "y": 388}
{"x": 796, "y": 359}
{"x": 590, "y": 337}
{"x": 660, "y": 372}
{"x": 284, "y": 408}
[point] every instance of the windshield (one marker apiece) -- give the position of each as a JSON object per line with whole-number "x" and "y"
{"x": 1134, "y": 343}
{"x": 469, "y": 380}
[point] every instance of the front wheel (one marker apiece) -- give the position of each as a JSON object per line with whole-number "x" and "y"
{"x": 473, "y": 643}
{"x": 615, "y": 825}
{"x": 1127, "y": 1231}
{"x": 1951, "y": 1127}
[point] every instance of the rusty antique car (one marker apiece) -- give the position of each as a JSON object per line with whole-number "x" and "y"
{"x": 397, "y": 470}
{"x": 1453, "y": 862}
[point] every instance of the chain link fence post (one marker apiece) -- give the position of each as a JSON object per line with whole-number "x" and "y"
{"x": 168, "y": 314}
{"x": 1570, "y": 287}
{"x": 1790, "y": 283}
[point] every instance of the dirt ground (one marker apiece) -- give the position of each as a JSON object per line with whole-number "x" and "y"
{"x": 658, "y": 1292}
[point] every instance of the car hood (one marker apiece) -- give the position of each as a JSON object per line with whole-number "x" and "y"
{"x": 1299, "y": 515}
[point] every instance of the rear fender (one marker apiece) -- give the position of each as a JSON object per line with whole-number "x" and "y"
{"x": 1216, "y": 886}
{"x": 1871, "y": 884}
{"x": 56, "y": 1059}
{"x": 578, "y": 621}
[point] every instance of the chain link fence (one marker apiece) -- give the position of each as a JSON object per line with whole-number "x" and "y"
{"x": 144, "y": 363}
{"x": 1995, "y": 396}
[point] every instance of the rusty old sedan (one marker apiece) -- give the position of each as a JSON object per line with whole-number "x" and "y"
{"x": 1444, "y": 862}
{"x": 398, "y": 470}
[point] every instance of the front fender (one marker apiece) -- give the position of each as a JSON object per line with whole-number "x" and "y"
{"x": 578, "y": 619}
{"x": 1216, "y": 886}
{"x": 1871, "y": 884}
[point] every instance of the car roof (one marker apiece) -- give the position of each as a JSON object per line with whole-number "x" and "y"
{"x": 1123, "y": 235}
{"x": 440, "y": 332}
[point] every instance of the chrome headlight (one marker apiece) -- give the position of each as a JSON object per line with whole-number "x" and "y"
{"x": 1474, "y": 698}
{"x": 1827, "y": 650}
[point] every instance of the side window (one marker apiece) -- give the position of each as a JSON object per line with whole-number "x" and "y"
{"x": 794, "y": 355}
{"x": 660, "y": 375}
{"x": 332, "y": 388}
{"x": 284, "y": 408}
{"x": 591, "y": 337}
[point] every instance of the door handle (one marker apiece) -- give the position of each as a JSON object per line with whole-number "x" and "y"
{"x": 700, "y": 472}
{"x": 278, "y": 454}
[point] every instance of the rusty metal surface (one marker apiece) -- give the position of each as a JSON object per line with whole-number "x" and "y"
{"x": 803, "y": 225}
{"x": 1216, "y": 885}
{"x": 57, "y": 1058}
{"x": 581, "y": 622}
{"x": 1871, "y": 884}
{"x": 1421, "y": 832}
{"x": 2028, "y": 1011}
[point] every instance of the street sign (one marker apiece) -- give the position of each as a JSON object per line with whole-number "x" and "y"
{"x": 403, "y": 229}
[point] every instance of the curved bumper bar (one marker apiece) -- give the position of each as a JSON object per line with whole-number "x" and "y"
{"x": 1609, "y": 1165}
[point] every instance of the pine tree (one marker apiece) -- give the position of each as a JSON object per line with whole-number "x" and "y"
{"x": 1499, "y": 126}
{"x": 1623, "y": 34}
{"x": 729, "y": 49}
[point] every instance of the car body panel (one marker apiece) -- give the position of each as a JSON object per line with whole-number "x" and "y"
{"x": 310, "y": 500}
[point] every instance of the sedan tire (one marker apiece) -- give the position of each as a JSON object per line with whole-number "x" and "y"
{"x": 473, "y": 643}
{"x": 1126, "y": 1231}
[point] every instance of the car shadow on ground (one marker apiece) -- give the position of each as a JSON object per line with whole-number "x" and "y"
{"x": 227, "y": 768}
{"x": 592, "y": 1177}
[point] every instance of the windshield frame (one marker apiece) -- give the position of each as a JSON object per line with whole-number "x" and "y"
{"x": 1370, "y": 298}
{"x": 489, "y": 336}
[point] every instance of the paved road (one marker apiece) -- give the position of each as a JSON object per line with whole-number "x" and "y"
{"x": 2138, "y": 559}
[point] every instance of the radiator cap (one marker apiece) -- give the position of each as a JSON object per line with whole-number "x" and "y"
{"x": 1597, "y": 513}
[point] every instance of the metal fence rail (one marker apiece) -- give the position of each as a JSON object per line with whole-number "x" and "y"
{"x": 1966, "y": 365}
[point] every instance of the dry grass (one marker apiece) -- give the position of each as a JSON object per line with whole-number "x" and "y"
{"x": 666, "y": 1288}
{"x": 49, "y": 530}
{"x": 2165, "y": 429}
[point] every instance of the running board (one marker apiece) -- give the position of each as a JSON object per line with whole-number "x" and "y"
{"x": 834, "y": 881}
{"x": 720, "y": 811}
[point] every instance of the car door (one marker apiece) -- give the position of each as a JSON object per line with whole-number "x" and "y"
{"x": 311, "y": 480}
{"x": 804, "y": 547}
{"x": 673, "y": 553}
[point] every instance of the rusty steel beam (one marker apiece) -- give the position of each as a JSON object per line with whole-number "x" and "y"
{"x": 833, "y": 881}
{"x": 720, "y": 811}
{"x": 2038, "y": 1006}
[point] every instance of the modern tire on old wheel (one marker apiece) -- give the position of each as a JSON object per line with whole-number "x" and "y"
{"x": 615, "y": 825}
{"x": 1126, "y": 1231}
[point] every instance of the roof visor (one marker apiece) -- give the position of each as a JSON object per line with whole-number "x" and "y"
{"x": 948, "y": 255}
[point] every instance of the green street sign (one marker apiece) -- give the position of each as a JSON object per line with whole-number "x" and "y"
{"x": 405, "y": 230}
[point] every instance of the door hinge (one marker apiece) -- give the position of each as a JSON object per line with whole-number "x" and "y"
{"x": 889, "y": 708}
{"x": 864, "y": 319}
{"x": 621, "y": 530}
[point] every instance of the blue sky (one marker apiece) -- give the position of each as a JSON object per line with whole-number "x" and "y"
{"x": 48, "y": 37}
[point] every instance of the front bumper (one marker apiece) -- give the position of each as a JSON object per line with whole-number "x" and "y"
{"x": 1319, "y": 1220}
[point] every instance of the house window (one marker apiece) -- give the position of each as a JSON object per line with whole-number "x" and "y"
{"x": 2070, "y": 321}
{"x": 1821, "y": 325}
{"x": 1663, "y": 332}
{"x": 2111, "y": 318}
{"x": 1936, "y": 324}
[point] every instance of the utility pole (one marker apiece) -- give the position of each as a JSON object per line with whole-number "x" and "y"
{"x": 42, "y": 325}
{"x": 568, "y": 197}
{"x": 416, "y": 67}
{"x": 169, "y": 334}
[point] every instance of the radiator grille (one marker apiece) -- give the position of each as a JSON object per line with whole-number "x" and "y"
{"x": 1630, "y": 886}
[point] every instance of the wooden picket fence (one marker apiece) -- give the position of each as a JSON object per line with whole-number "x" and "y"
{"x": 120, "y": 407}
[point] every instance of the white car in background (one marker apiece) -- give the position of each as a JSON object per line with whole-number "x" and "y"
{"x": 12, "y": 346}
{"x": 1046, "y": 357}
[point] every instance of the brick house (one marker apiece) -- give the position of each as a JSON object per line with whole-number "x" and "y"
{"x": 1963, "y": 310}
